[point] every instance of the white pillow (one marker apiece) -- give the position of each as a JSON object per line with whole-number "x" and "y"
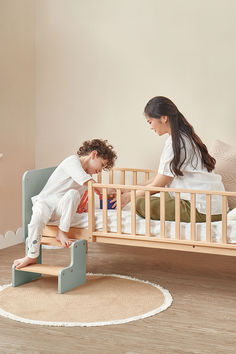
{"x": 225, "y": 156}
{"x": 232, "y": 214}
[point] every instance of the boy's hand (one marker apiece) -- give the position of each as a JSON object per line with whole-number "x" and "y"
{"x": 111, "y": 192}
{"x": 125, "y": 199}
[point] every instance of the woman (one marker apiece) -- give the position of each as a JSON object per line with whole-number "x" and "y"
{"x": 185, "y": 163}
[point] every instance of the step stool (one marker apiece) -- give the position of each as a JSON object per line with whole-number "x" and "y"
{"x": 68, "y": 277}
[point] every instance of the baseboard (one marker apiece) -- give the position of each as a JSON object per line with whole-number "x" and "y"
{"x": 11, "y": 238}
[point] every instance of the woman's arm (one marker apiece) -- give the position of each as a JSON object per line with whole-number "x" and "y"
{"x": 140, "y": 184}
{"x": 147, "y": 182}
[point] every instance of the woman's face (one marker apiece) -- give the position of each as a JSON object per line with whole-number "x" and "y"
{"x": 159, "y": 125}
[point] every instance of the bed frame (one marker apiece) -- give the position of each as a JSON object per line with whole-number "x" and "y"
{"x": 34, "y": 181}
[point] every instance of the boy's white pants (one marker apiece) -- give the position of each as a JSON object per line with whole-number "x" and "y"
{"x": 43, "y": 211}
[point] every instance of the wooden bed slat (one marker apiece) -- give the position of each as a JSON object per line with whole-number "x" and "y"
{"x": 104, "y": 208}
{"x": 177, "y": 215}
{"x": 133, "y": 211}
{"x": 111, "y": 176}
{"x": 147, "y": 214}
{"x": 99, "y": 177}
{"x": 122, "y": 177}
{"x": 208, "y": 218}
{"x": 224, "y": 219}
{"x": 91, "y": 218}
{"x": 162, "y": 214}
{"x": 193, "y": 216}
{"x": 135, "y": 178}
{"x": 146, "y": 176}
{"x": 119, "y": 211}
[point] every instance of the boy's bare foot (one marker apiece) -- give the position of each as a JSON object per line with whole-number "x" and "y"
{"x": 62, "y": 237}
{"x": 23, "y": 262}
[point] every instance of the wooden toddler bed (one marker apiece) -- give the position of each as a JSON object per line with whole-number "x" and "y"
{"x": 34, "y": 181}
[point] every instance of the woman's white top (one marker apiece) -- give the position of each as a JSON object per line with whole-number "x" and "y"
{"x": 68, "y": 175}
{"x": 195, "y": 176}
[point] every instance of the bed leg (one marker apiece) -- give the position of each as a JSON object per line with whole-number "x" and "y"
{"x": 74, "y": 275}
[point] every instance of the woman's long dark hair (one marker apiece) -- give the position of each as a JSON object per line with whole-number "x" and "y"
{"x": 180, "y": 127}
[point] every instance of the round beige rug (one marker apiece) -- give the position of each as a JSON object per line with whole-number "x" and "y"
{"x": 102, "y": 300}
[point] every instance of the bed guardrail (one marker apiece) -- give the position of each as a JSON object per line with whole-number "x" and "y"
{"x": 147, "y": 190}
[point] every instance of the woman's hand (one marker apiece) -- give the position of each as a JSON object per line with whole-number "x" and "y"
{"x": 125, "y": 199}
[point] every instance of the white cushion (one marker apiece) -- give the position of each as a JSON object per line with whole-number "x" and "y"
{"x": 225, "y": 156}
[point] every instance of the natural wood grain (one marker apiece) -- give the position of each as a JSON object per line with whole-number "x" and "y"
{"x": 42, "y": 268}
{"x": 177, "y": 216}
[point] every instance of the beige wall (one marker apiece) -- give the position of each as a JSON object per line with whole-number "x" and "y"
{"x": 92, "y": 69}
{"x": 17, "y": 105}
{"x": 98, "y": 62}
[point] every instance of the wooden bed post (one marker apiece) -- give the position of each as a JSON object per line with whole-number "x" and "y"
{"x": 91, "y": 219}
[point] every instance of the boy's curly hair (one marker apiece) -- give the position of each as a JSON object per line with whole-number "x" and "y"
{"x": 103, "y": 148}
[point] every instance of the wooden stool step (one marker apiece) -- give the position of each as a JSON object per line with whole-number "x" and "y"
{"x": 42, "y": 269}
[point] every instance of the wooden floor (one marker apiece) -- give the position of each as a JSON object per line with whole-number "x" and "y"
{"x": 202, "y": 318}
